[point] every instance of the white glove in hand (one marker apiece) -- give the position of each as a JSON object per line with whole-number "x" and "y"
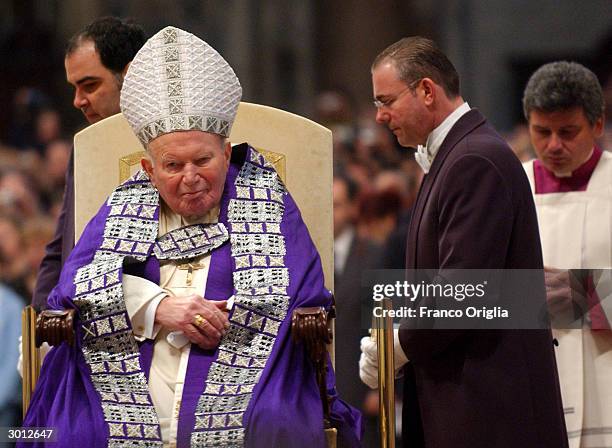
{"x": 368, "y": 362}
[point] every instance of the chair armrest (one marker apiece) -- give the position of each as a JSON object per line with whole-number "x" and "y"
{"x": 311, "y": 326}
{"x": 55, "y": 327}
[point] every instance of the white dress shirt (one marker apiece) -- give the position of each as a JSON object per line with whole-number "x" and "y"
{"x": 426, "y": 154}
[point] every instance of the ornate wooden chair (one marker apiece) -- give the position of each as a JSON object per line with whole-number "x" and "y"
{"x": 107, "y": 153}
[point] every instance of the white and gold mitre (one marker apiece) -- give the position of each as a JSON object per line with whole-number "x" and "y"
{"x": 177, "y": 82}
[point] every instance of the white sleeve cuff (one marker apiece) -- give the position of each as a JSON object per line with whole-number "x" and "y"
{"x": 150, "y": 329}
{"x": 141, "y": 300}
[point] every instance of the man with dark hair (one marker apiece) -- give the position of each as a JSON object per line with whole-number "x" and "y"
{"x": 464, "y": 387}
{"x": 571, "y": 182}
{"x": 96, "y": 61}
{"x": 97, "y": 58}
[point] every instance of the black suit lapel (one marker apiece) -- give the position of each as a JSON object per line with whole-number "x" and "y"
{"x": 466, "y": 124}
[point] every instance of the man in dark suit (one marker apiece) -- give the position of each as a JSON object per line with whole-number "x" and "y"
{"x": 97, "y": 58}
{"x": 465, "y": 388}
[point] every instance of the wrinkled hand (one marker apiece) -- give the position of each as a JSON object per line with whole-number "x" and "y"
{"x": 563, "y": 294}
{"x": 177, "y": 313}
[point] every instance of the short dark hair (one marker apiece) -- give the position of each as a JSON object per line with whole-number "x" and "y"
{"x": 561, "y": 86}
{"x": 116, "y": 40}
{"x": 417, "y": 57}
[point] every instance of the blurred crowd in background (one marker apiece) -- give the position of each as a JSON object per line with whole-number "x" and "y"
{"x": 35, "y": 152}
{"x": 381, "y": 181}
{"x": 33, "y": 161}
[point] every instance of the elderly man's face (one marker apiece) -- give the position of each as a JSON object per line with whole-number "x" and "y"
{"x": 563, "y": 139}
{"x": 188, "y": 169}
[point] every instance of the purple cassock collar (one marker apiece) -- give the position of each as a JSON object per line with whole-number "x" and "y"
{"x": 547, "y": 182}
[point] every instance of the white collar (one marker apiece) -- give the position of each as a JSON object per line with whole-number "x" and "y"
{"x": 425, "y": 154}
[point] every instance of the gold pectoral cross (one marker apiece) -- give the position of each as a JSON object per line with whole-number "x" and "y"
{"x": 190, "y": 267}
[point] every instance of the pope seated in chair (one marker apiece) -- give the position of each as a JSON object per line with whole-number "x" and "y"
{"x": 184, "y": 284}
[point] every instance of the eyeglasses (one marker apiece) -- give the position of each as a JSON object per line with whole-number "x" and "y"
{"x": 388, "y": 103}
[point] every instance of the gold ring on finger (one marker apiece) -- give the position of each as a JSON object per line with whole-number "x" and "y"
{"x": 199, "y": 320}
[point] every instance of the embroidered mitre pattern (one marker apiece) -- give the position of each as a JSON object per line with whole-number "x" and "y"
{"x": 177, "y": 82}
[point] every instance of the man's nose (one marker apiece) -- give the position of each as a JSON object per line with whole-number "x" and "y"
{"x": 190, "y": 174}
{"x": 554, "y": 143}
{"x": 80, "y": 100}
{"x": 381, "y": 116}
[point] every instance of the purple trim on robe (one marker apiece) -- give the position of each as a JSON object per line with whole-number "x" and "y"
{"x": 285, "y": 408}
{"x": 63, "y": 400}
{"x": 341, "y": 412}
{"x": 278, "y": 397}
{"x": 546, "y": 181}
{"x": 64, "y": 394}
{"x": 219, "y": 286}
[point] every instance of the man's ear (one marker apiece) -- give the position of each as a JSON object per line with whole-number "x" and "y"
{"x": 125, "y": 69}
{"x": 147, "y": 165}
{"x": 598, "y": 127}
{"x": 429, "y": 91}
{"x": 227, "y": 152}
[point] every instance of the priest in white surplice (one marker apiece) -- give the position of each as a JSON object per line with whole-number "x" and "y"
{"x": 572, "y": 185}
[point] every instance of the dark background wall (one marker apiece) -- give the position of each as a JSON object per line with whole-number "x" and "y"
{"x": 286, "y": 51}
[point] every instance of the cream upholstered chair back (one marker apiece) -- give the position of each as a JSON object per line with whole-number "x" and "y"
{"x": 107, "y": 153}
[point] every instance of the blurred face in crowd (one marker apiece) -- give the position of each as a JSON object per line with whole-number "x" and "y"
{"x": 57, "y": 156}
{"x": 48, "y": 126}
{"x": 10, "y": 240}
{"x": 344, "y": 209}
{"x": 563, "y": 139}
{"x": 188, "y": 168}
{"x": 17, "y": 194}
{"x": 402, "y": 108}
{"x": 96, "y": 88}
